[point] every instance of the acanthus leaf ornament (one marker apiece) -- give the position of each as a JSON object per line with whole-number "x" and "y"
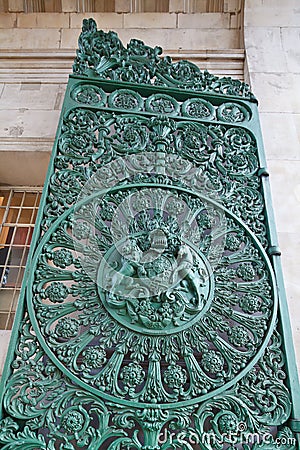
{"x": 103, "y": 55}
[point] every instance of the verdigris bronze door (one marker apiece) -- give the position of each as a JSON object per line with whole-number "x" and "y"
{"x": 149, "y": 313}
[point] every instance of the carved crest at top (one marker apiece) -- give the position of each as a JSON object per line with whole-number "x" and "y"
{"x": 102, "y": 55}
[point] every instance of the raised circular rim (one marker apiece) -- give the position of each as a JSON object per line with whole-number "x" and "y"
{"x": 134, "y": 404}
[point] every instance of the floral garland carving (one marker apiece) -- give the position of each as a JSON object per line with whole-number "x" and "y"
{"x": 102, "y": 55}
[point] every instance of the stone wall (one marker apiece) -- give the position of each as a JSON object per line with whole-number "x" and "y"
{"x": 169, "y": 30}
{"x": 272, "y": 45}
{"x": 36, "y": 54}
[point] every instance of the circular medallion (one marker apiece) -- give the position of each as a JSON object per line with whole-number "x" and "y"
{"x": 87, "y": 94}
{"x": 154, "y": 293}
{"x": 147, "y": 293}
{"x": 232, "y": 112}
{"x": 162, "y": 104}
{"x": 125, "y": 99}
{"x": 198, "y": 108}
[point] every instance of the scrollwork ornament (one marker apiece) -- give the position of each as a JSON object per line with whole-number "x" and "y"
{"x": 150, "y": 313}
{"x": 132, "y": 135}
{"x": 244, "y": 414}
{"x": 76, "y": 419}
{"x": 144, "y": 275}
{"x": 230, "y": 152}
{"x": 103, "y": 55}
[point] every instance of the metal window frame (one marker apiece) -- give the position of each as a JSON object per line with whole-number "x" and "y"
{"x": 15, "y": 290}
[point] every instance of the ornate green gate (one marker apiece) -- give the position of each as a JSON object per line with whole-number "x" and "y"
{"x": 149, "y": 313}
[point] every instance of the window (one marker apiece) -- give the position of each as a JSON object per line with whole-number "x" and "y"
{"x": 151, "y": 6}
{"x": 18, "y": 210}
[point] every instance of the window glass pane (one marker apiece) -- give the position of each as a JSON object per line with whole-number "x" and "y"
{"x": 18, "y": 210}
{"x": 3, "y": 321}
{"x": 17, "y": 199}
{"x": 14, "y": 276}
{"x": 4, "y": 196}
{"x": 30, "y": 199}
{"x": 26, "y": 215}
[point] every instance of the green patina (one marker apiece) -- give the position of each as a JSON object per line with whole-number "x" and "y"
{"x": 149, "y": 317}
